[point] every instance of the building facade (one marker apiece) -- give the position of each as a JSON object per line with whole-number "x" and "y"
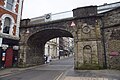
{"x": 10, "y": 15}
{"x": 66, "y": 46}
{"x": 52, "y": 48}
{"x": 57, "y": 47}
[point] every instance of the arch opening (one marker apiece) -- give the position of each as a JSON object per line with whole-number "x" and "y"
{"x": 36, "y": 44}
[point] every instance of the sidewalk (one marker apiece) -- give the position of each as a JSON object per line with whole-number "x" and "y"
{"x": 73, "y": 74}
{"x": 93, "y": 75}
{"x": 9, "y": 71}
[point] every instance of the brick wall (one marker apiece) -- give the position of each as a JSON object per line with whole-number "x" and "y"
{"x": 3, "y": 11}
{"x": 2, "y": 2}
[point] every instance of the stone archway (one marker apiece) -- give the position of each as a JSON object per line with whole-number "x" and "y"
{"x": 34, "y": 37}
{"x": 34, "y": 49}
{"x": 85, "y": 31}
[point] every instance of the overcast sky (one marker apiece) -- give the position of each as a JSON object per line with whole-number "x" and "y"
{"x": 35, "y": 8}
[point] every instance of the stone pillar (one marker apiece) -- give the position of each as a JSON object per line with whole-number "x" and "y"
{"x": 22, "y": 51}
{"x": 85, "y": 11}
{"x": 86, "y": 35}
{"x": 23, "y": 43}
{"x": 35, "y": 55}
{"x": 30, "y": 54}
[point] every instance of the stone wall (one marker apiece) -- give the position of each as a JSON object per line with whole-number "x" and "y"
{"x": 112, "y": 38}
{"x": 88, "y": 44}
{"x": 94, "y": 36}
{"x": 85, "y": 11}
{"x": 112, "y": 17}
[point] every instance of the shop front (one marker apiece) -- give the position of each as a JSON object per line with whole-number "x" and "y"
{"x": 9, "y": 53}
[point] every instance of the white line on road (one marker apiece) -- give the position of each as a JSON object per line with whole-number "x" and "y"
{"x": 58, "y": 77}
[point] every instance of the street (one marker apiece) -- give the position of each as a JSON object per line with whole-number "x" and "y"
{"x": 50, "y": 71}
{"x": 59, "y": 70}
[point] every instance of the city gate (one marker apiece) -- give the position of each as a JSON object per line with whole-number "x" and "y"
{"x": 86, "y": 27}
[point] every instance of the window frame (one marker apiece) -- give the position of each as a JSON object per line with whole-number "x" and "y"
{"x": 10, "y": 5}
{"x": 7, "y": 26}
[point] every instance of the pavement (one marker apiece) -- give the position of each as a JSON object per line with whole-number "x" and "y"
{"x": 70, "y": 73}
{"x": 9, "y": 71}
{"x": 73, "y": 74}
{"x": 92, "y": 75}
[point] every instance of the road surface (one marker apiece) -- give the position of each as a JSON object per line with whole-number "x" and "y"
{"x": 52, "y": 71}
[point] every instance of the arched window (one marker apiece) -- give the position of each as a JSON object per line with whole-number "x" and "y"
{"x": 87, "y": 50}
{"x": 7, "y": 24}
{"x": 10, "y": 4}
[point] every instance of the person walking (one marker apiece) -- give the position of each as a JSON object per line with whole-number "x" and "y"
{"x": 48, "y": 59}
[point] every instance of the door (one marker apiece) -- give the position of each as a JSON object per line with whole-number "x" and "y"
{"x": 9, "y": 57}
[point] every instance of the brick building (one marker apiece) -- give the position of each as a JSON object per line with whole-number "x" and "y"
{"x": 10, "y": 15}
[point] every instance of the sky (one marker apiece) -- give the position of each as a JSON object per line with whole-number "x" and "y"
{"x": 36, "y": 8}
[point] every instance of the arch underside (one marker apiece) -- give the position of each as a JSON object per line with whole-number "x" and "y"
{"x": 45, "y": 35}
{"x": 37, "y": 41}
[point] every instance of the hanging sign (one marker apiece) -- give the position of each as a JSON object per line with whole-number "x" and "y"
{"x": 15, "y": 47}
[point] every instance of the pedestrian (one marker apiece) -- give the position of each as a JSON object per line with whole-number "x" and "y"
{"x": 59, "y": 56}
{"x": 3, "y": 59}
{"x": 49, "y": 59}
{"x": 45, "y": 57}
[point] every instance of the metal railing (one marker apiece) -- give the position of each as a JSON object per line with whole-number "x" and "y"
{"x": 62, "y": 15}
{"x": 107, "y": 7}
{"x": 68, "y": 14}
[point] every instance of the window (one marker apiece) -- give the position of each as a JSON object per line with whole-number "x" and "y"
{"x": 9, "y": 4}
{"x": 7, "y": 25}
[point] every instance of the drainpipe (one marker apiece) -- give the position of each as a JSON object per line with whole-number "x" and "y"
{"x": 104, "y": 46}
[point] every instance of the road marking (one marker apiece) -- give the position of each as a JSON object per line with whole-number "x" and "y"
{"x": 57, "y": 78}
